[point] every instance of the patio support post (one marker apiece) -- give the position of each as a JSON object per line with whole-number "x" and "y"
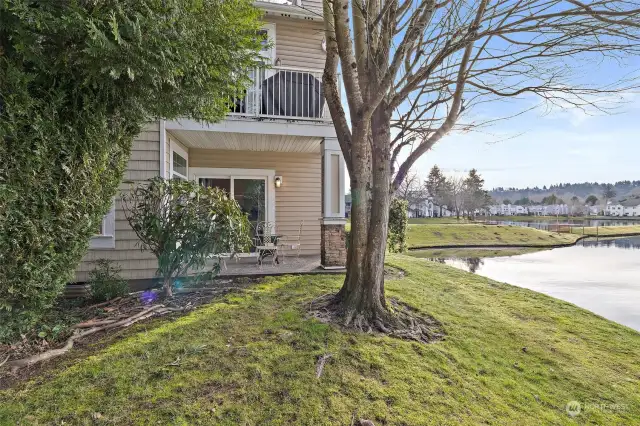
{"x": 333, "y": 236}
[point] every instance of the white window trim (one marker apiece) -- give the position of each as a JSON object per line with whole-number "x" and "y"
{"x": 107, "y": 238}
{"x": 174, "y": 147}
{"x": 196, "y": 173}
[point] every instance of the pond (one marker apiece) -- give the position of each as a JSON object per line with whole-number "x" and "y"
{"x": 601, "y": 276}
{"x": 577, "y": 223}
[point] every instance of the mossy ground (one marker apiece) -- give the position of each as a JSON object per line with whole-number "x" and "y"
{"x": 428, "y": 235}
{"x": 511, "y": 356}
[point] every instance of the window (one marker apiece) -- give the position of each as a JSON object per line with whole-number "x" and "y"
{"x": 105, "y": 237}
{"x": 179, "y": 167}
{"x": 253, "y": 189}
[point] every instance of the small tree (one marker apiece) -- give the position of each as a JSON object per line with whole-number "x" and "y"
{"x": 608, "y": 193}
{"x": 475, "y": 195}
{"x": 436, "y": 186}
{"x": 412, "y": 191}
{"x": 592, "y": 200}
{"x": 183, "y": 224}
{"x": 455, "y": 194}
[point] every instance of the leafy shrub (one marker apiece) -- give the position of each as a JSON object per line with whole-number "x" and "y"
{"x": 183, "y": 224}
{"x": 398, "y": 222}
{"x": 77, "y": 82}
{"x": 105, "y": 282}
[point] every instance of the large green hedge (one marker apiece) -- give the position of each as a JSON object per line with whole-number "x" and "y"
{"x": 78, "y": 79}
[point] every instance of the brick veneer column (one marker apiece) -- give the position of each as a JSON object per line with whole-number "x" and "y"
{"x": 333, "y": 246}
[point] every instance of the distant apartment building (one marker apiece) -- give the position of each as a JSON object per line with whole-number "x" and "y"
{"x": 422, "y": 209}
{"x": 621, "y": 209}
{"x": 513, "y": 210}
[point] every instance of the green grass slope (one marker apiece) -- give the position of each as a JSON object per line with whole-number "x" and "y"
{"x": 467, "y": 234}
{"x": 511, "y": 356}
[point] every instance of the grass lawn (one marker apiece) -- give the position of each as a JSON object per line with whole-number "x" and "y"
{"x": 462, "y": 253}
{"x": 469, "y": 234}
{"x": 511, "y": 356}
{"x": 608, "y": 231}
{"x": 436, "y": 220}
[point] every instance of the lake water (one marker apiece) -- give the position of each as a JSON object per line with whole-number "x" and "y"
{"x": 544, "y": 225}
{"x": 601, "y": 276}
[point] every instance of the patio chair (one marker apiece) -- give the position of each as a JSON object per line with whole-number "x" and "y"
{"x": 265, "y": 242}
{"x": 290, "y": 242}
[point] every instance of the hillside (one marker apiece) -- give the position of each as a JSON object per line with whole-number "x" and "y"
{"x": 625, "y": 190}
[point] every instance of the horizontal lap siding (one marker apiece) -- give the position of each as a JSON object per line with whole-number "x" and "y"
{"x": 299, "y": 197}
{"x": 144, "y": 164}
{"x": 299, "y": 42}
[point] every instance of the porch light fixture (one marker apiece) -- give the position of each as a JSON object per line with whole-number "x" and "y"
{"x": 278, "y": 181}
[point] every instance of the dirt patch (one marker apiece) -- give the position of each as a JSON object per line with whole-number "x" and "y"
{"x": 184, "y": 301}
{"x": 392, "y": 273}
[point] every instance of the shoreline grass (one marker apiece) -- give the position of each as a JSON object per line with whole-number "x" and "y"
{"x": 425, "y": 236}
{"x": 511, "y": 356}
{"x": 466, "y": 253}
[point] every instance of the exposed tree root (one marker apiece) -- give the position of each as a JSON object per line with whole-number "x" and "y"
{"x": 399, "y": 320}
{"x": 322, "y": 360}
{"x": 53, "y": 353}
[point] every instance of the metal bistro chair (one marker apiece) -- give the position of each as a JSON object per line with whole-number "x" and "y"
{"x": 290, "y": 242}
{"x": 264, "y": 242}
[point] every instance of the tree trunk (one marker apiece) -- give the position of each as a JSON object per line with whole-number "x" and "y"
{"x": 167, "y": 287}
{"x": 362, "y": 298}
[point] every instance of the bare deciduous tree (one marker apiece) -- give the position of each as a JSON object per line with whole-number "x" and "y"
{"x": 420, "y": 66}
{"x": 413, "y": 191}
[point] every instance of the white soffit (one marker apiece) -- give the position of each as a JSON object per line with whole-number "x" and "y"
{"x": 248, "y": 141}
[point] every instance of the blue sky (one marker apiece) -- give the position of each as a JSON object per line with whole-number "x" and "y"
{"x": 540, "y": 148}
{"x": 544, "y": 147}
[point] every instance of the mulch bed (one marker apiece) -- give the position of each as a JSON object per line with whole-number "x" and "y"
{"x": 103, "y": 324}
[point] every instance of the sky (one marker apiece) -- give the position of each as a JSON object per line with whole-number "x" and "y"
{"x": 549, "y": 146}
{"x": 542, "y": 148}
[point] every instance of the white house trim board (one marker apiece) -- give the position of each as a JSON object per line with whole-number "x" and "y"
{"x": 331, "y": 150}
{"x": 196, "y": 173}
{"x": 107, "y": 237}
{"x": 163, "y": 149}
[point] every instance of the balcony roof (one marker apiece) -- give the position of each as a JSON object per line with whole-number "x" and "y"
{"x": 288, "y": 9}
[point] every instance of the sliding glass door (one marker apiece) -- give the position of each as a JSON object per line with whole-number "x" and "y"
{"x": 249, "y": 192}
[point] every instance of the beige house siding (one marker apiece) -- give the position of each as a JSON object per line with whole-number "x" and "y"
{"x": 299, "y": 42}
{"x": 314, "y": 6}
{"x": 143, "y": 164}
{"x": 299, "y": 197}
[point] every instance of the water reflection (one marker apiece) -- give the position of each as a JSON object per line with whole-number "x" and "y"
{"x": 602, "y": 276}
{"x": 470, "y": 264}
{"x": 545, "y": 225}
{"x": 632, "y": 243}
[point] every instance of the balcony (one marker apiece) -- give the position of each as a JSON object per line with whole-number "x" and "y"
{"x": 284, "y": 93}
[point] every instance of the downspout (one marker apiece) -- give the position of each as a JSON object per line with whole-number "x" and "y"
{"x": 163, "y": 149}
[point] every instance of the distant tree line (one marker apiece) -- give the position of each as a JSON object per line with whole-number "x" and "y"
{"x": 460, "y": 194}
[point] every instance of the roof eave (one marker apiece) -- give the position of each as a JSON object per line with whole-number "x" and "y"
{"x": 288, "y": 10}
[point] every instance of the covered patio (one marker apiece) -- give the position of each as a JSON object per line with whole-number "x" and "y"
{"x": 248, "y": 267}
